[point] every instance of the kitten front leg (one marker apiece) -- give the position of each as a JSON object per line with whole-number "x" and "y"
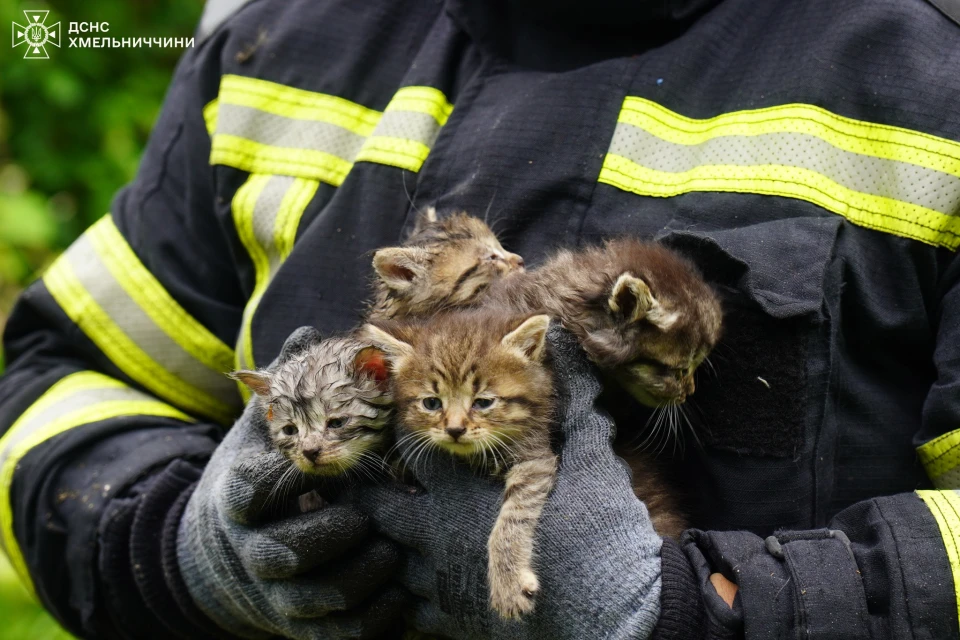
{"x": 513, "y": 581}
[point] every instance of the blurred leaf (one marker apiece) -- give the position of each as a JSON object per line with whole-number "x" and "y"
{"x": 75, "y": 125}
{"x": 26, "y": 220}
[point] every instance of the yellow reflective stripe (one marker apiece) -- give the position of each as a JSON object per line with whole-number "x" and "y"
{"x": 266, "y": 211}
{"x": 264, "y": 127}
{"x": 875, "y": 212}
{"x": 941, "y": 460}
{"x": 396, "y": 152}
{"x": 422, "y": 100}
{"x": 945, "y": 507}
{"x": 867, "y": 138}
{"x": 298, "y": 104}
{"x": 147, "y": 292}
{"x": 403, "y": 138}
{"x": 256, "y": 157}
{"x": 180, "y": 366}
{"x": 881, "y": 177}
{"x": 210, "y": 115}
{"x": 77, "y": 395}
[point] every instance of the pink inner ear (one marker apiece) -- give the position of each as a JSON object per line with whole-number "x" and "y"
{"x": 398, "y": 272}
{"x": 372, "y": 362}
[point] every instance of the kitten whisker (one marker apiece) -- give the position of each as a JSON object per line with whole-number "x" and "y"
{"x": 693, "y": 431}
{"x": 403, "y": 180}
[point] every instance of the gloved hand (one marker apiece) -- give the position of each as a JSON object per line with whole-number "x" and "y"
{"x": 257, "y": 575}
{"x": 596, "y": 553}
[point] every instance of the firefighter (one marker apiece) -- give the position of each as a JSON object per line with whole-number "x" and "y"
{"x": 805, "y": 154}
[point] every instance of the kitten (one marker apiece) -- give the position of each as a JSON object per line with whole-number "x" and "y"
{"x": 642, "y": 313}
{"x": 445, "y": 263}
{"x": 475, "y": 384}
{"x": 327, "y": 406}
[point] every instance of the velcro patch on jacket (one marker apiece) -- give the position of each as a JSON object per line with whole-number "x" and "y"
{"x": 941, "y": 460}
{"x": 945, "y": 507}
{"x": 881, "y": 177}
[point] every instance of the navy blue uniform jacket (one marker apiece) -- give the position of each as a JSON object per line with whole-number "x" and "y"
{"x": 806, "y": 154}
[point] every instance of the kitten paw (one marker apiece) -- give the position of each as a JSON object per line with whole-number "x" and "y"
{"x": 311, "y": 501}
{"x": 514, "y": 597}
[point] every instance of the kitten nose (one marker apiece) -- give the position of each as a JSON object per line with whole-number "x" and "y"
{"x": 515, "y": 261}
{"x": 456, "y": 432}
{"x": 688, "y": 385}
{"x": 312, "y": 449}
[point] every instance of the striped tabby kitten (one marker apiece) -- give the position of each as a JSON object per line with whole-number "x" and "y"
{"x": 475, "y": 385}
{"x": 327, "y": 406}
{"x": 445, "y": 263}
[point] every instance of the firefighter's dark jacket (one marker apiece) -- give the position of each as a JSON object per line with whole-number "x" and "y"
{"x": 805, "y": 154}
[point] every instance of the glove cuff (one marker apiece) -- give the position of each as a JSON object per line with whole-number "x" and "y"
{"x": 681, "y": 607}
{"x": 153, "y": 554}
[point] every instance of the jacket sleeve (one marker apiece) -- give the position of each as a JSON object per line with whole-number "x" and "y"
{"x": 115, "y": 394}
{"x": 888, "y": 567}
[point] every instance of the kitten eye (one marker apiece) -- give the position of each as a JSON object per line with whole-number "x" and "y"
{"x": 432, "y": 403}
{"x": 335, "y": 423}
{"x": 289, "y": 430}
{"x": 483, "y": 403}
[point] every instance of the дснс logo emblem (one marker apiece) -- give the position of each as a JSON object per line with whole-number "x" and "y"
{"x": 36, "y": 35}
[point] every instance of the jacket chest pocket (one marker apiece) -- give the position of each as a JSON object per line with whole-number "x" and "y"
{"x": 755, "y": 398}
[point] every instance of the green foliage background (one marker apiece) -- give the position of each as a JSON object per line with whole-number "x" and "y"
{"x": 72, "y": 129}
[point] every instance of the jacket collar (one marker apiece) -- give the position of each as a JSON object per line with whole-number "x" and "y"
{"x": 555, "y": 35}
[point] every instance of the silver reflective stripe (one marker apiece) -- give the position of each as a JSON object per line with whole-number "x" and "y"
{"x": 901, "y": 181}
{"x": 265, "y": 213}
{"x": 290, "y": 133}
{"x": 99, "y": 284}
{"x": 79, "y": 399}
{"x": 409, "y": 125}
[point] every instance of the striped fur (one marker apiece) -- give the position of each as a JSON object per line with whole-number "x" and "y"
{"x": 475, "y": 385}
{"x": 326, "y": 410}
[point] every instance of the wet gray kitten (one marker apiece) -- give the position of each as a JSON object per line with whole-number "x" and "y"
{"x": 327, "y": 406}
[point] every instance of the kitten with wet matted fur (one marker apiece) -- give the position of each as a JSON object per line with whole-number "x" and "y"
{"x": 327, "y": 406}
{"x": 475, "y": 384}
{"x": 445, "y": 263}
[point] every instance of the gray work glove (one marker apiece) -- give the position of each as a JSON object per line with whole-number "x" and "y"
{"x": 596, "y": 553}
{"x": 257, "y": 574}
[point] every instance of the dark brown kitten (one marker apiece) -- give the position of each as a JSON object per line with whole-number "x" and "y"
{"x": 642, "y": 312}
{"x": 475, "y": 384}
{"x": 446, "y": 263}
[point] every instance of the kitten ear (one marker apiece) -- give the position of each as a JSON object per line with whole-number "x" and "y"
{"x": 630, "y": 298}
{"x": 398, "y": 267}
{"x": 372, "y": 362}
{"x": 530, "y": 338}
{"x": 392, "y": 347}
{"x": 425, "y": 218}
{"x": 300, "y": 340}
{"x": 256, "y": 381}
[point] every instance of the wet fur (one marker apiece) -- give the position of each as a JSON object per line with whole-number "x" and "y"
{"x": 458, "y": 358}
{"x": 328, "y": 380}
